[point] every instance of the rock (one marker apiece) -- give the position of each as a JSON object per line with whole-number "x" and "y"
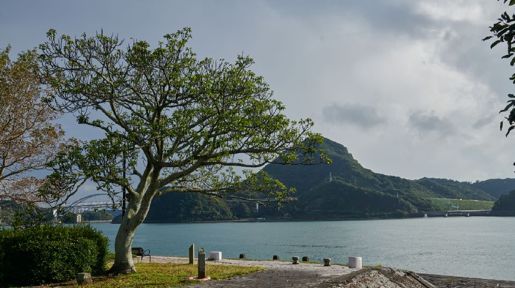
{"x": 242, "y": 256}
{"x": 327, "y": 261}
{"x": 84, "y": 278}
{"x": 295, "y": 260}
{"x": 275, "y": 257}
{"x": 305, "y": 258}
{"x": 378, "y": 278}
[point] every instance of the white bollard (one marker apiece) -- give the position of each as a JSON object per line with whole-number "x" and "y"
{"x": 215, "y": 255}
{"x": 355, "y": 262}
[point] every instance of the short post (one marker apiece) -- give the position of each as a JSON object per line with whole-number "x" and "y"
{"x": 275, "y": 257}
{"x": 305, "y": 258}
{"x": 201, "y": 264}
{"x": 242, "y": 256}
{"x": 215, "y": 255}
{"x": 295, "y": 260}
{"x": 191, "y": 254}
{"x": 355, "y": 262}
{"x": 84, "y": 278}
{"x": 327, "y": 261}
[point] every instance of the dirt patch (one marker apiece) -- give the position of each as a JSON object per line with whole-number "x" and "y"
{"x": 378, "y": 278}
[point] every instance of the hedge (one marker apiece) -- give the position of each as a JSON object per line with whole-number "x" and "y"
{"x": 50, "y": 254}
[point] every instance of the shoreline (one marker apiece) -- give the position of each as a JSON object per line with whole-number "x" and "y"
{"x": 285, "y": 220}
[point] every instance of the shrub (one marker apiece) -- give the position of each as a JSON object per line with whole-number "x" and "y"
{"x": 47, "y": 254}
{"x": 101, "y": 243}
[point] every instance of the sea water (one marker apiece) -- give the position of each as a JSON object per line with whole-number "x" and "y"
{"x": 482, "y": 247}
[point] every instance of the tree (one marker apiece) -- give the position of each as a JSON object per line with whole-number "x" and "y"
{"x": 503, "y": 31}
{"x": 29, "y": 138}
{"x": 171, "y": 122}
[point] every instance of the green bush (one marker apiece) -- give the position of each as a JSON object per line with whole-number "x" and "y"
{"x": 48, "y": 254}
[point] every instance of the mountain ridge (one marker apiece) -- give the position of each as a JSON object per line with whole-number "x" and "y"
{"x": 343, "y": 189}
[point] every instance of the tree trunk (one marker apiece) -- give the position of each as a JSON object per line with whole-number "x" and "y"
{"x": 123, "y": 263}
{"x": 136, "y": 213}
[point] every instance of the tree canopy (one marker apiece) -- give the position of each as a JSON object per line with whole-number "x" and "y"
{"x": 169, "y": 120}
{"x": 29, "y": 138}
{"x": 503, "y": 32}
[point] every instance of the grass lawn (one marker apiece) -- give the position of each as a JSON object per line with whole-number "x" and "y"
{"x": 445, "y": 204}
{"x": 169, "y": 275}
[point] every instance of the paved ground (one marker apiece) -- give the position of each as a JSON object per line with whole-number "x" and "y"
{"x": 319, "y": 269}
{"x": 280, "y": 274}
{"x": 271, "y": 278}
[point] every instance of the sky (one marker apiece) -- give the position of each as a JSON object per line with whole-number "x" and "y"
{"x": 407, "y": 86}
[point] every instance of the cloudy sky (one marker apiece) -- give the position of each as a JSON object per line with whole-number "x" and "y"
{"x": 406, "y": 85}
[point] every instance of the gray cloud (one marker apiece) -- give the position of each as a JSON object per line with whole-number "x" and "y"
{"x": 482, "y": 122}
{"x": 354, "y": 114}
{"x": 429, "y": 123}
{"x": 403, "y": 56}
{"x": 398, "y": 16}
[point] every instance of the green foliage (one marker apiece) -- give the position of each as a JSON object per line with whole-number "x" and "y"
{"x": 191, "y": 119}
{"x": 47, "y": 254}
{"x": 68, "y": 217}
{"x": 98, "y": 215}
{"x": 496, "y": 187}
{"x": 505, "y": 206}
{"x": 354, "y": 192}
{"x": 169, "y": 119}
{"x": 503, "y": 32}
{"x": 339, "y": 199}
{"x": 187, "y": 207}
{"x": 243, "y": 209}
{"x": 101, "y": 243}
{"x": 8, "y": 210}
{"x": 351, "y": 178}
{"x": 29, "y": 215}
{"x": 357, "y": 191}
{"x": 446, "y": 188}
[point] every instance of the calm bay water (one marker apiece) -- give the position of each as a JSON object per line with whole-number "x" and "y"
{"x": 481, "y": 247}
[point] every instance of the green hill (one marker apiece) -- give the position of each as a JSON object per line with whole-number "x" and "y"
{"x": 345, "y": 169}
{"x": 342, "y": 189}
{"x": 505, "y": 206}
{"x": 496, "y": 187}
{"x": 345, "y": 188}
{"x": 338, "y": 199}
{"x": 188, "y": 207}
{"x": 446, "y": 188}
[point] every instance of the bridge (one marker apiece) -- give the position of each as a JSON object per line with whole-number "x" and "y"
{"x": 88, "y": 206}
{"x": 468, "y": 213}
{"x": 80, "y": 205}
